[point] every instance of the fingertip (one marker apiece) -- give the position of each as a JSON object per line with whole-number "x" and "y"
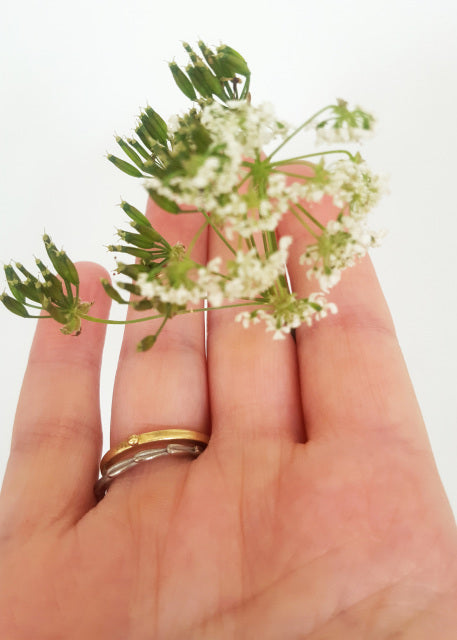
{"x": 91, "y": 288}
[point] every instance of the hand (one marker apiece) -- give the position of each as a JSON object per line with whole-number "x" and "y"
{"x": 315, "y": 512}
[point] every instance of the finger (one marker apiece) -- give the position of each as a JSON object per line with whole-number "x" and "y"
{"x": 57, "y": 434}
{"x": 352, "y": 374}
{"x": 253, "y": 379}
{"x": 164, "y": 387}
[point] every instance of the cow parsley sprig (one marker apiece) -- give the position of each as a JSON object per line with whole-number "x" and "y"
{"x": 211, "y": 161}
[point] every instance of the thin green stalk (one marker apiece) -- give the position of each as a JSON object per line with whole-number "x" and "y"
{"x": 69, "y": 291}
{"x": 218, "y": 233}
{"x": 265, "y": 242}
{"x": 104, "y": 321}
{"x": 165, "y": 318}
{"x": 181, "y": 312}
{"x": 195, "y": 238}
{"x": 292, "y": 175}
{"x": 254, "y": 246}
{"x": 273, "y": 241}
{"x": 32, "y": 306}
{"x": 307, "y": 213}
{"x": 302, "y": 222}
{"x": 294, "y": 133}
{"x": 311, "y": 155}
{"x": 245, "y": 91}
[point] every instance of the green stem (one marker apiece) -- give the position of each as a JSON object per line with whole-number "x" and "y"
{"x": 245, "y": 91}
{"x": 195, "y": 238}
{"x": 311, "y": 155}
{"x": 307, "y": 213}
{"x": 165, "y": 318}
{"x": 294, "y": 133}
{"x": 104, "y": 321}
{"x": 302, "y": 222}
{"x": 273, "y": 241}
{"x": 254, "y": 246}
{"x": 181, "y": 312}
{"x": 218, "y": 232}
{"x": 292, "y": 175}
{"x": 265, "y": 243}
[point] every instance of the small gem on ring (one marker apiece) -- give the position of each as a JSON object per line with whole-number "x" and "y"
{"x": 133, "y": 440}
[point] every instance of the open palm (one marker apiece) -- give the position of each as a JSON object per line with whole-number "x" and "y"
{"x": 315, "y": 512}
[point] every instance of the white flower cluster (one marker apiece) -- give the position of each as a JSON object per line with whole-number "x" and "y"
{"x": 247, "y": 276}
{"x": 251, "y": 275}
{"x": 245, "y": 214}
{"x": 343, "y": 242}
{"x": 343, "y": 134}
{"x": 354, "y": 184}
{"x": 242, "y": 127}
{"x": 238, "y": 131}
{"x": 345, "y": 125}
{"x": 290, "y": 314}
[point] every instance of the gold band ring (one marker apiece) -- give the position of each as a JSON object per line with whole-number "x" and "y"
{"x": 137, "y": 441}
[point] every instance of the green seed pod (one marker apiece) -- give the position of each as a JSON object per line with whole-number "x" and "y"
{"x": 232, "y": 62}
{"x": 145, "y": 137}
{"x": 111, "y": 291}
{"x": 147, "y": 231}
{"x": 129, "y": 286}
{"x": 142, "y": 305}
{"x": 146, "y": 343}
{"x": 182, "y": 81}
{"x": 131, "y": 270}
{"x": 138, "y": 147}
{"x": 61, "y": 262}
{"x": 25, "y": 272}
{"x": 58, "y": 314}
{"x": 156, "y": 125}
{"x": 212, "y": 82}
{"x": 199, "y": 82}
{"x": 54, "y": 286}
{"x": 32, "y": 290}
{"x": 190, "y": 52}
{"x": 142, "y": 254}
{"x": 134, "y": 214}
{"x": 125, "y": 166}
{"x": 13, "y": 281}
{"x": 13, "y": 305}
{"x": 164, "y": 203}
{"x": 136, "y": 239}
{"x": 153, "y": 169}
{"x": 134, "y": 157}
{"x": 211, "y": 59}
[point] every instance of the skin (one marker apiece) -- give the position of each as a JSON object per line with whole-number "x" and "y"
{"x": 316, "y": 511}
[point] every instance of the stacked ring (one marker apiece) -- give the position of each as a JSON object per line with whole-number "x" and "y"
{"x": 147, "y": 446}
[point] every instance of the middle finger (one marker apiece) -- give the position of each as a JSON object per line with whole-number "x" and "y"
{"x": 253, "y": 379}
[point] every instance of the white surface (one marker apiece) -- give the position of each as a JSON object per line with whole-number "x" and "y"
{"x": 72, "y": 73}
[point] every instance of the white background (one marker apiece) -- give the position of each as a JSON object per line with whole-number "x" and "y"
{"x": 73, "y": 73}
